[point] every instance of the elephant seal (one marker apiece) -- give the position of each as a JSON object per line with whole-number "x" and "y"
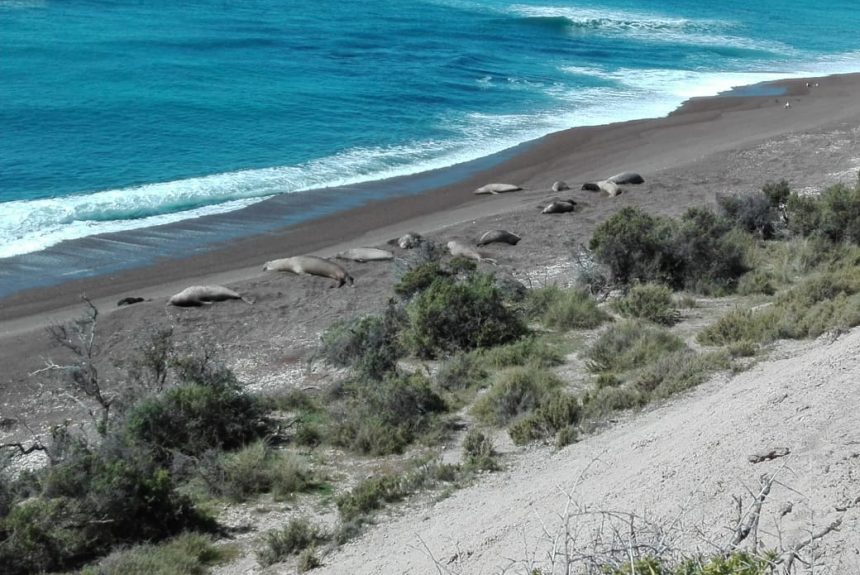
{"x": 501, "y": 236}
{"x": 365, "y": 255}
{"x": 559, "y": 207}
{"x": 611, "y": 188}
{"x": 129, "y": 301}
{"x": 204, "y": 295}
{"x": 310, "y": 265}
{"x": 407, "y": 241}
{"x": 497, "y": 189}
{"x": 626, "y": 178}
{"x": 560, "y": 187}
{"x": 461, "y": 250}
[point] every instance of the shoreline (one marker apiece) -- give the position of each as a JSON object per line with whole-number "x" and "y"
{"x": 698, "y": 127}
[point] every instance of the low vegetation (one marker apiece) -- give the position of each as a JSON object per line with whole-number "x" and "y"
{"x": 296, "y": 536}
{"x": 652, "y": 302}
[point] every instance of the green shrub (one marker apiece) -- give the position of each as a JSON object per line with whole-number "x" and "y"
{"x": 91, "y": 501}
{"x": 707, "y": 252}
{"x": 777, "y": 193}
{"x": 384, "y": 417}
{"x": 829, "y": 300}
{"x": 558, "y": 413}
{"x": 296, "y": 536}
{"x": 651, "y": 302}
{"x": 44, "y": 535}
{"x": 419, "y": 279}
{"x": 516, "y": 391}
{"x": 564, "y": 309}
{"x": 697, "y": 252}
{"x": 195, "y": 417}
{"x": 453, "y": 315}
{"x": 188, "y": 554}
{"x": 462, "y": 371}
{"x": 308, "y": 560}
{"x": 630, "y": 345}
{"x": 834, "y": 215}
{"x": 840, "y": 213}
{"x": 634, "y": 246}
{"x": 370, "y": 495}
{"x": 257, "y": 469}
{"x": 753, "y": 212}
{"x": 529, "y": 351}
{"x": 607, "y": 400}
{"x": 678, "y": 371}
{"x": 566, "y": 436}
{"x": 478, "y": 452}
{"x": 804, "y": 215}
{"x": 756, "y": 282}
{"x": 369, "y": 345}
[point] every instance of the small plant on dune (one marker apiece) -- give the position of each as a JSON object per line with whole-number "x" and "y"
{"x": 297, "y": 535}
{"x": 384, "y": 417}
{"x": 257, "y": 468}
{"x": 531, "y": 351}
{"x": 478, "y": 452}
{"x": 516, "y": 391}
{"x": 651, "y": 302}
{"x": 558, "y": 308}
{"x": 462, "y": 371}
{"x": 557, "y": 415}
{"x": 190, "y": 554}
{"x": 630, "y": 345}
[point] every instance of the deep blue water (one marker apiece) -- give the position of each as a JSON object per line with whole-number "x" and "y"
{"x": 122, "y": 114}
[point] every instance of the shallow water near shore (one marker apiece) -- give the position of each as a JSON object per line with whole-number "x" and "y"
{"x": 146, "y": 114}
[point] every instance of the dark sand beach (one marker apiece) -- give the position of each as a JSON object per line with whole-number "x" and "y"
{"x": 710, "y": 145}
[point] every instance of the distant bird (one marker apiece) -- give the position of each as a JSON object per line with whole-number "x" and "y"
{"x": 816, "y": 84}
{"x": 788, "y": 104}
{"x": 808, "y": 84}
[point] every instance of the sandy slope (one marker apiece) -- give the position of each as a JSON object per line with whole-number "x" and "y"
{"x": 681, "y": 461}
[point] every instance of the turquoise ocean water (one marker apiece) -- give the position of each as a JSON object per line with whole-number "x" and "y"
{"x": 122, "y": 114}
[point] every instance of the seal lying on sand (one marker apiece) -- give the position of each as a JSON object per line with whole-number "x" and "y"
{"x": 611, "y": 188}
{"x": 497, "y": 189}
{"x": 459, "y": 249}
{"x": 501, "y": 236}
{"x": 559, "y": 207}
{"x": 560, "y": 187}
{"x": 365, "y": 255}
{"x": 204, "y": 295}
{"x": 310, "y": 265}
{"x": 626, "y": 178}
{"x": 407, "y": 241}
{"x": 129, "y": 301}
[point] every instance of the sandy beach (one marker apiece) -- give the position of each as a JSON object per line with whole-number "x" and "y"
{"x": 708, "y": 146}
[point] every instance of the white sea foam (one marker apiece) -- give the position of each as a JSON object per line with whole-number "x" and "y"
{"x": 649, "y": 27}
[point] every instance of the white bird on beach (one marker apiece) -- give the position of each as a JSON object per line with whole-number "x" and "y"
{"x": 788, "y": 104}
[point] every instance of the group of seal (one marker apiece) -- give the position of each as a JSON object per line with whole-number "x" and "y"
{"x": 610, "y": 186}
{"x": 313, "y": 265}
